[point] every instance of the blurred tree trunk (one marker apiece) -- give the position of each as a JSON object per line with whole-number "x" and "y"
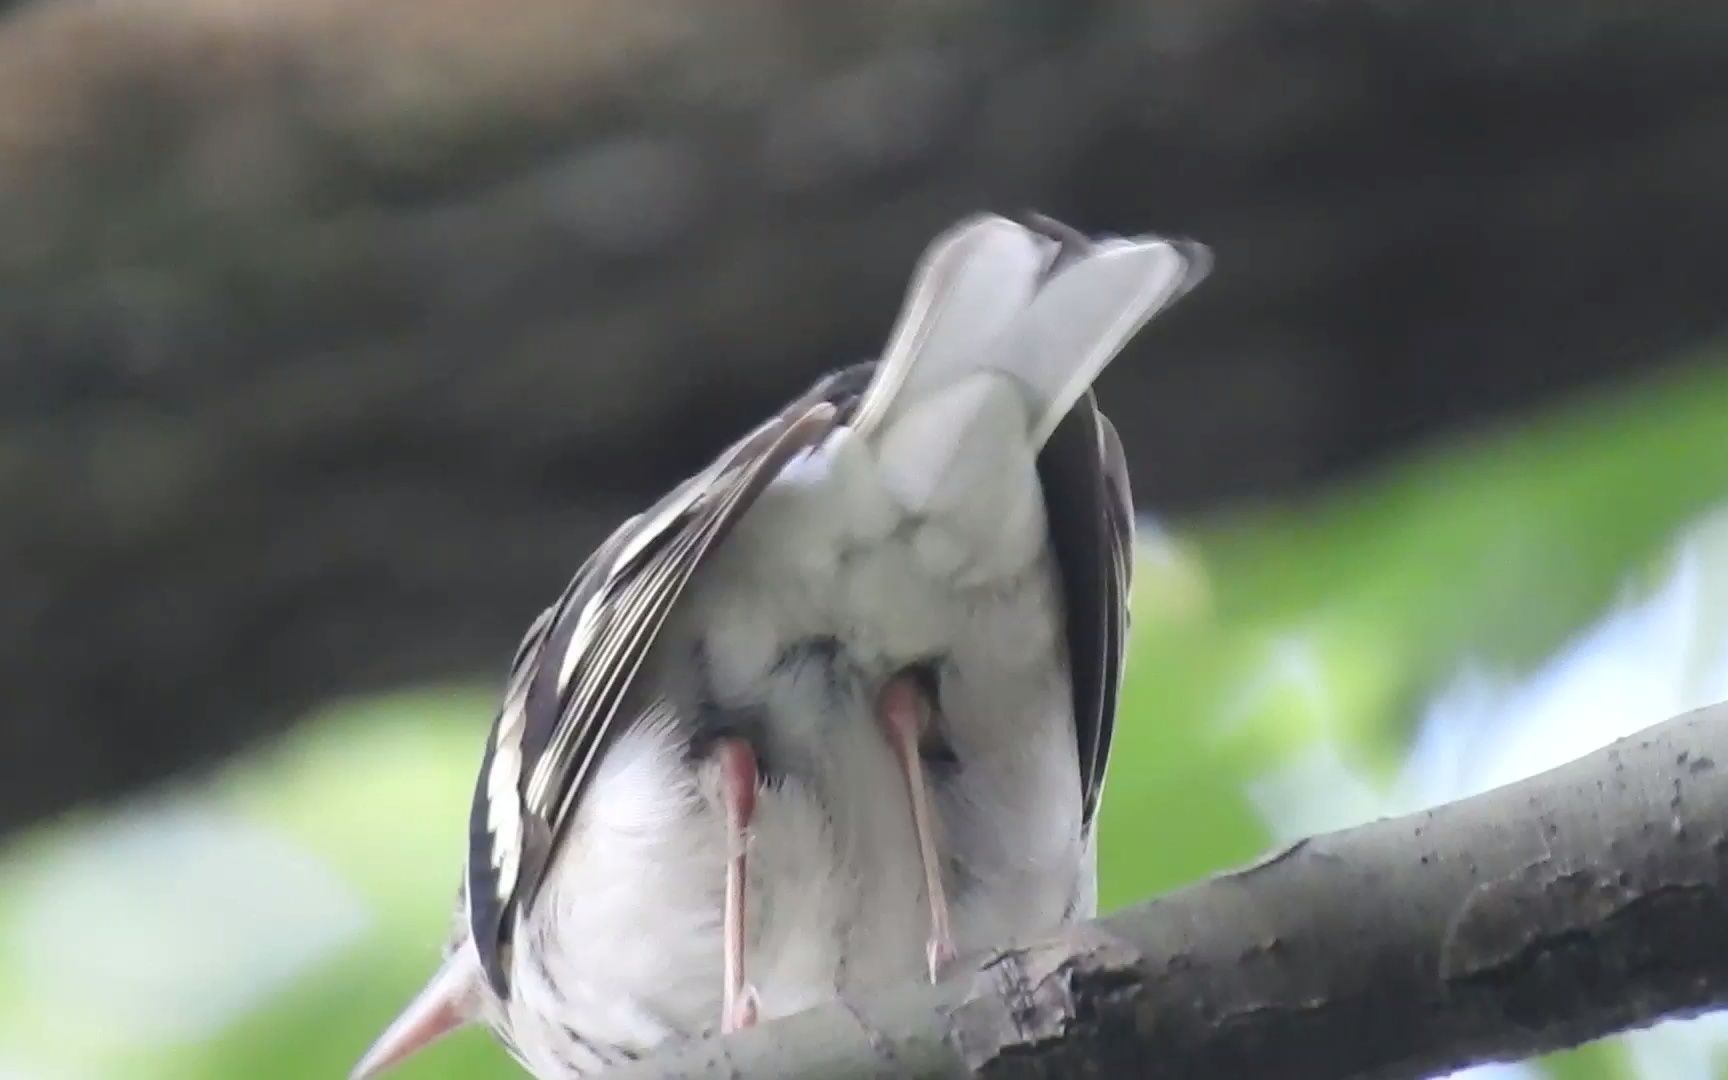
{"x": 332, "y": 333}
{"x": 1566, "y": 907}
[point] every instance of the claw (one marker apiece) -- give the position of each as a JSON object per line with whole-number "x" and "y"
{"x": 939, "y": 954}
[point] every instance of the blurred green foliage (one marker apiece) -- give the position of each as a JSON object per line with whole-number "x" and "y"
{"x": 1256, "y": 634}
{"x": 1264, "y": 630}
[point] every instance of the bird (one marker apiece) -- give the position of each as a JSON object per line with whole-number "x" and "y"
{"x": 836, "y": 710}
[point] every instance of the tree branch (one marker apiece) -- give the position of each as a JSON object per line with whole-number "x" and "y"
{"x": 1563, "y": 908}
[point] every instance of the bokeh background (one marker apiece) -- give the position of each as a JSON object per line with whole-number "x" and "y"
{"x": 333, "y": 332}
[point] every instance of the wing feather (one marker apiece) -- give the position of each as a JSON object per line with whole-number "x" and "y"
{"x": 1091, "y": 518}
{"x": 574, "y": 673}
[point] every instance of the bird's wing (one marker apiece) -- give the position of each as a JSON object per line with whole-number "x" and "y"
{"x": 564, "y": 701}
{"x": 1091, "y": 516}
{"x": 1090, "y": 510}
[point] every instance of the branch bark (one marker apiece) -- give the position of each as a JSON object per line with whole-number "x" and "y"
{"x": 1581, "y": 902}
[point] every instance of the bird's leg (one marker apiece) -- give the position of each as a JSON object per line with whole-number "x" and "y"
{"x": 904, "y": 711}
{"x": 738, "y": 794}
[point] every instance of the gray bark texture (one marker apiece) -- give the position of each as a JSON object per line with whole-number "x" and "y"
{"x": 1581, "y": 902}
{"x": 332, "y": 334}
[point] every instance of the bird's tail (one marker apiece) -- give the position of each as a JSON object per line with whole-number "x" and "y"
{"x": 1037, "y": 303}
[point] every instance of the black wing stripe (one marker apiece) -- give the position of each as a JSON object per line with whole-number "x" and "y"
{"x": 1091, "y": 538}
{"x": 586, "y": 591}
{"x": 1118, "y": 512}
{"x": 621, "y": 621}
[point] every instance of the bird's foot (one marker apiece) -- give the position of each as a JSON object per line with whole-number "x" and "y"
{"x": 939, "y": 954}
{"x": 742, "y": 1012}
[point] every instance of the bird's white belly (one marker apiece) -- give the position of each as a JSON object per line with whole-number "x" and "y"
{"x": 649, "y": 853}
{"x": 824, "y": 592}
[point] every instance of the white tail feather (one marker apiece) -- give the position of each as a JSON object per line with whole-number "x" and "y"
{"x": 1085, "y": 316}
{"x": 971, "y": 281}
{"x": 983, "y": 298}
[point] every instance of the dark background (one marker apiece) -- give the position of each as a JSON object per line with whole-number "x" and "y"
{"x": 331, "y": 335}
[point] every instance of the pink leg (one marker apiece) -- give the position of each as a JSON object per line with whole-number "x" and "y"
{"x": 903, "y": 713}
{"x": 738, "y": 793}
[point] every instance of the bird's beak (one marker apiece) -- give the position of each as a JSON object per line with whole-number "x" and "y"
{"x": 449, "y": 1000}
